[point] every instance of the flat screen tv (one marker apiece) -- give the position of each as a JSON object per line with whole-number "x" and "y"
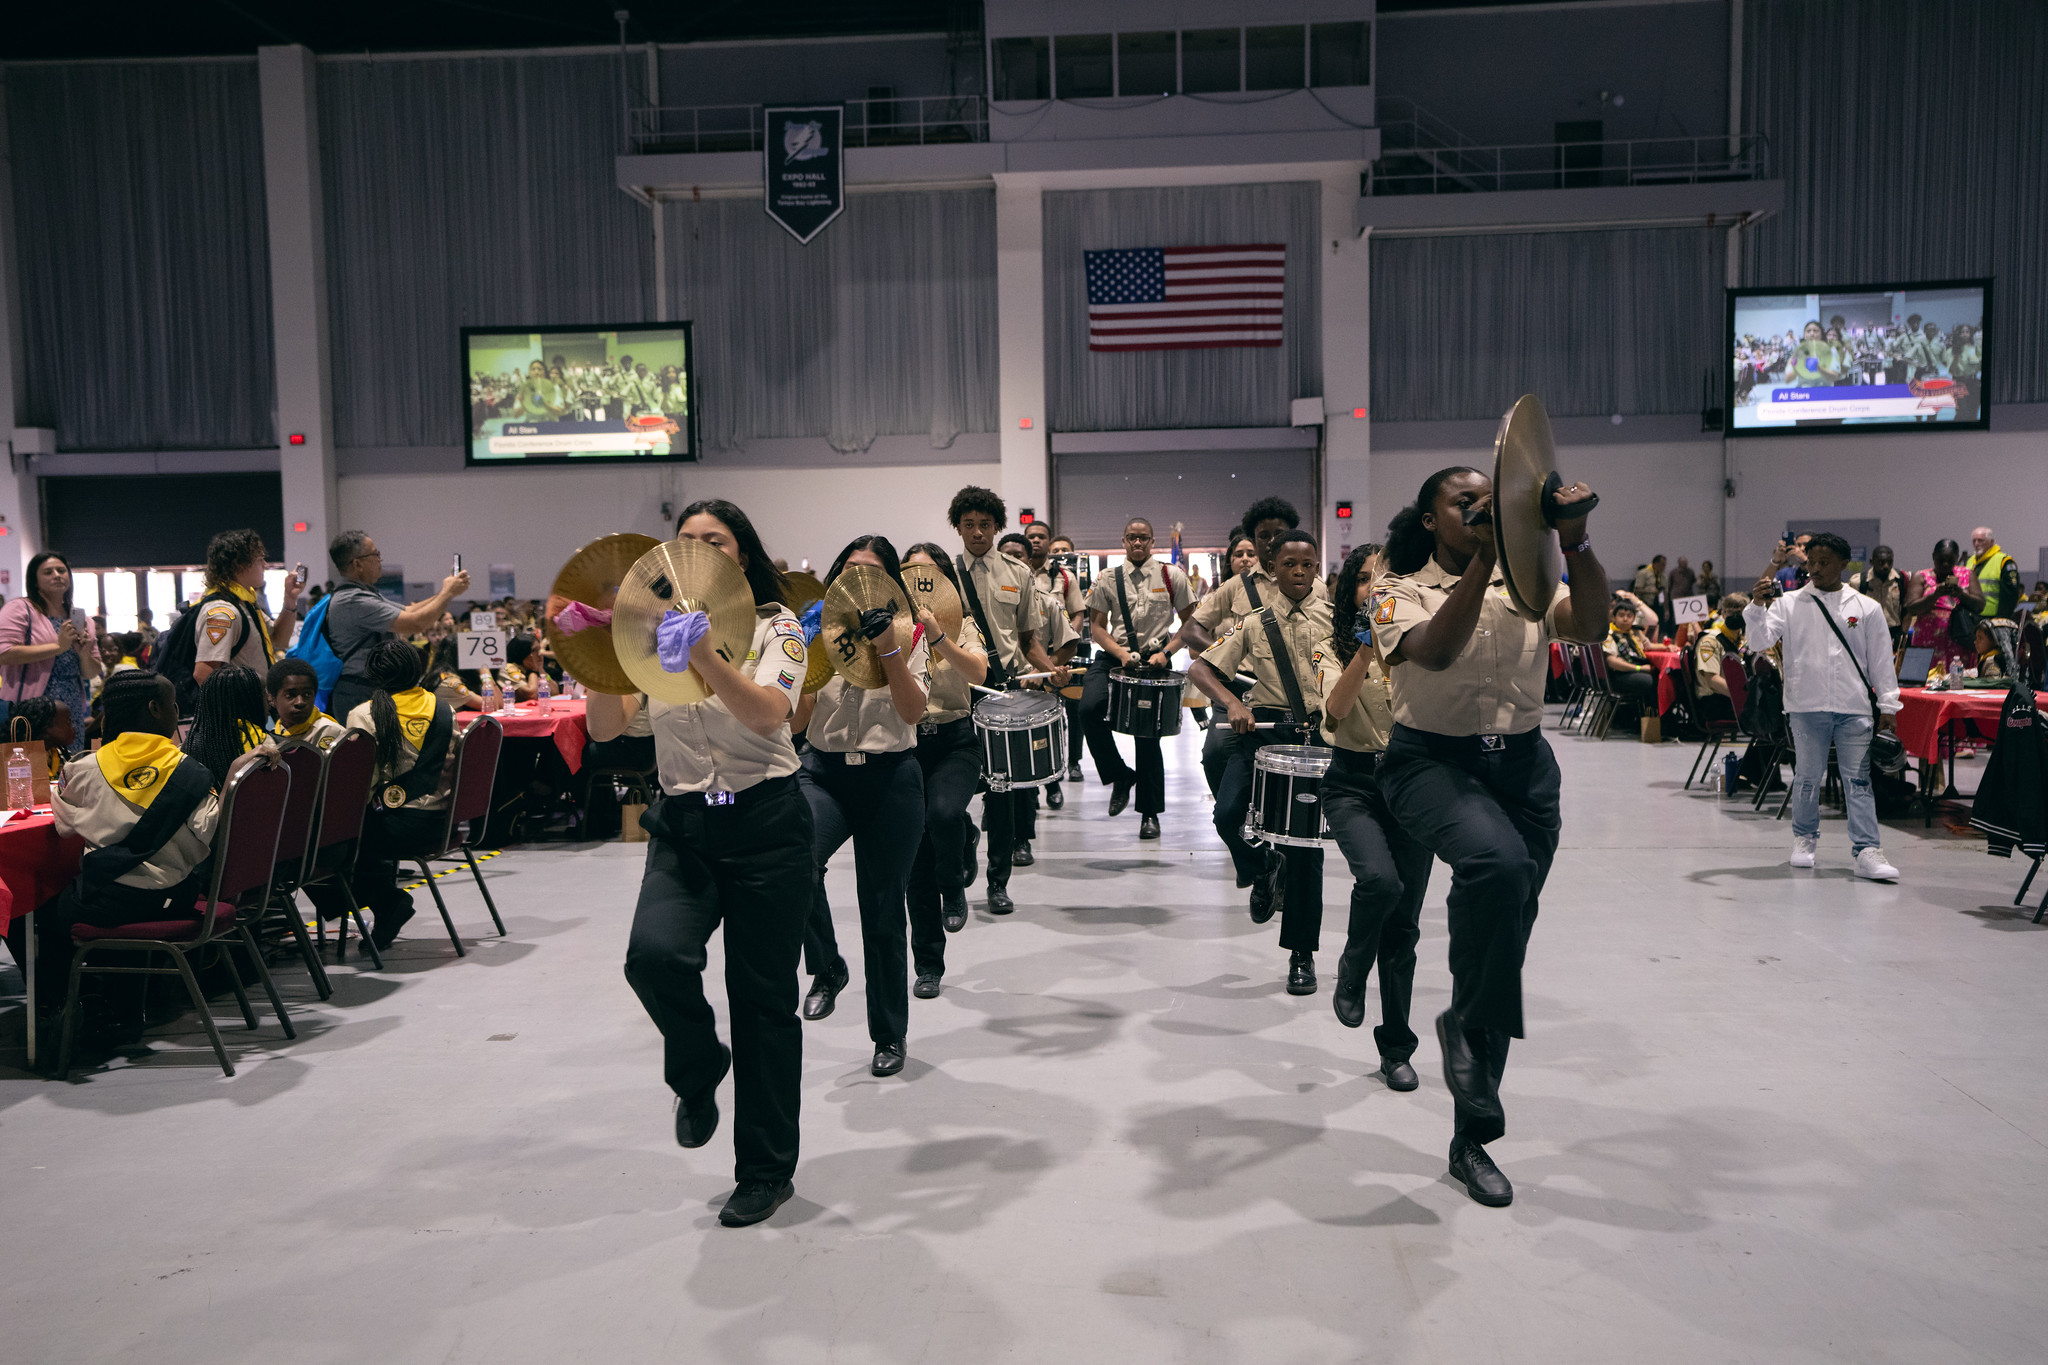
{"x": 1862, "y": 358}
{"x": 559, "y": 395}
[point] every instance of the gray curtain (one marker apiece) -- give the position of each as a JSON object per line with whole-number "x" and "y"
{"x": 1912, "y": 136}
{"x": 143, "y": 259}
{"x": 1155, "y": 390}
{"x": 1591, "y": 322}
{"x": 885, "y": 325}
{"x": 466, "y": 192}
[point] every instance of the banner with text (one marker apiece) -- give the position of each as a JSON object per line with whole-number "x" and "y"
{"x": 803, "y": 158}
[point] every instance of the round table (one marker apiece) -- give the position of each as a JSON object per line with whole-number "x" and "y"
{"x": 563, "y": 723}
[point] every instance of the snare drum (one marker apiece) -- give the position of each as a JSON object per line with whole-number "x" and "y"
{"x": 1287, "y": 796}
{"x": 1145, "y": 705}
{"x": 1023, "y": 739}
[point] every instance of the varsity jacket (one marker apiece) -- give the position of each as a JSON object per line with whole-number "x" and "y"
{"x": 2012, "y": 800}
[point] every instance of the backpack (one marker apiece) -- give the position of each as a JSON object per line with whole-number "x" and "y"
{"x": 316, "y": 649}
{"x": 178, "y": 650}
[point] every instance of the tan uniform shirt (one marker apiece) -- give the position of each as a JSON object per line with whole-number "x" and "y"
{"x": 952, "y": 696}
{"x": 214, "y": 638}
{"x": 1229, "y": 602}
{"x": 1366, "y": 726}
{"x": 320, "y": 731}
{"x": 702, "y": 747}
{"x": 1303, "y": 626}
{"x": 1712, "y": 649}
{"x": 1885, "y": 594}
{"x": 1055, "y": 627}
{"x": 847, "y": 719}
{"x": 1004, "y": 586}
{"x": 1061, "y": 586}
{"x": 1495, "y": 687}
{"x": 408, "y": 759}
{"x": 1156, "y": 590}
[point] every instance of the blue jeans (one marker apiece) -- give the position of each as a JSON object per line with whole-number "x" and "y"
{"x": 1812, "y": 733}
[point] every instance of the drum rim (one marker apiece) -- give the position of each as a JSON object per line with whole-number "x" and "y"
{"x": 1293, "y": 760}
{"x": 1117, "y": 675}
{"x": 1050, "y": 711}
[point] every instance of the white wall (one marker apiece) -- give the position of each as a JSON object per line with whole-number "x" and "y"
{"x": 535, "y": 519}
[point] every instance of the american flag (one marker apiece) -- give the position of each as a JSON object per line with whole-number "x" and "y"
{"x": 1173, "y": 298}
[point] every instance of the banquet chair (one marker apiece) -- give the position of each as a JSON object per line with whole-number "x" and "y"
{"x": 1581, "y": 687}
{"x": 294, "y": 856}
{"x": 469, "y": 801}
{"x": 344, "y": 804}
{"x": 252, "y": 807}
{"x": 1713, "y": 732}
{"x": 1605, "y": 700}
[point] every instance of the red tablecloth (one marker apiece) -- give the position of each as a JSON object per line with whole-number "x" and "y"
{"x": 563, "y": 724}
{"x": 35, "y": 863}
{"x": 1924, "y": 715}
{"x": 1665, "y": 662}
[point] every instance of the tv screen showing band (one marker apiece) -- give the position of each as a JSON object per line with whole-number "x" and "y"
{"x": 551, "y": 395}
{"x": 1877, "y": 357}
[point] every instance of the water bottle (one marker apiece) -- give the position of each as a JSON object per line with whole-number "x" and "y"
{"x": 543, "y": 697}
{"x": 1729, "y": 771}
{"x": 21, "y": 784}
{"x": 489, "y": 693}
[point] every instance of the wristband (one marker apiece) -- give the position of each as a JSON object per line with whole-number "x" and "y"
{"x": 890, "y": 655}
{"x": 1585, "y": 544}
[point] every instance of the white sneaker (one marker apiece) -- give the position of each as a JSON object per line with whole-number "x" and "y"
{"x": 1870, "y": 864}
{"x": 1803, "y": 850}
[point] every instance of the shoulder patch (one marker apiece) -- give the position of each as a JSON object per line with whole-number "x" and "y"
{"x": 794, "y": 649}
{"x": 1385, "y": 615}
{"x": 220, "y": 619}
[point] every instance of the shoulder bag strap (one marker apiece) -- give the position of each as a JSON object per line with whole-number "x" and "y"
{"x": 1251, "y": 590}
{"x": 1848, "y": 649}
{"x": 1297, "y": 709}
{"x": 998, "y": 675}
{"x": 1123, "y": 603}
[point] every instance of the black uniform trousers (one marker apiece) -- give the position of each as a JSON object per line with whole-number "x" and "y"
{"x": 1492, "y": 814}
{"x": 1150, "y": 774}
{"x": 747, "y": 864}
{"x": 1301, "y": 914}
{"x": 877, "y": 802}
{"x": 1389, "y": 876}
{"x": 389, "y": 836}
{"x": 1006, "y": 818}
{"x": 950, "y": 758}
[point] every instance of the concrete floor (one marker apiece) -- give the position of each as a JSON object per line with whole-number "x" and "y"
{"x": 1761, "y": 1116}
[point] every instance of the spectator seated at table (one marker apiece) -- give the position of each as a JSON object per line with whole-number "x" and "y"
{"x": 1647, "y": 627}
{"x": 49, "y": 721}
{"x": 633, "y": 750}
{"x": 414, "y": 733}
{"x": 146, "y": 813}
{"x": 228, "y": 719}
{"x": 1628, "y": 663}
{"x": 1714, "y": 648}
{"x": 522, "y": 673}
{"x": 293, "y": 687}
{"x": 1992, "y": 659}
{"x": 446, "y": 680}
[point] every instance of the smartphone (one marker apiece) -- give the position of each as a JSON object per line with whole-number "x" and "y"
{"x": 458, "y": 563}
{"x": 299, "y": 572}
{"x": 78, "y": 619}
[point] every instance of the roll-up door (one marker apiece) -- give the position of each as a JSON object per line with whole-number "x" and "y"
{"x": 1205, "y": 490}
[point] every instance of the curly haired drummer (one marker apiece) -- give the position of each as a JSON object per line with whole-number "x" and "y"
{"x": 1467, "y": 771}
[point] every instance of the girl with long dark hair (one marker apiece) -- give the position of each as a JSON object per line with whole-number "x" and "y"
{"x": 729, "y": 843}
{"x": 1466, "y": 770}
{"x": 861, "y": 778}
{"x": 228, "y": 719}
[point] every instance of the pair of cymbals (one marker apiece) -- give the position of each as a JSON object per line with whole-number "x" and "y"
{"x": 1524, "y": 463}
{"x": 861, "y": 588}
{"x": 681, "y": 576}
{"x": 592, "y": 576}
{"x": 935, "y": 593}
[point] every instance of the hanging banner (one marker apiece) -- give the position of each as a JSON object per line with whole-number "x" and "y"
{"x": 804, "y": 168}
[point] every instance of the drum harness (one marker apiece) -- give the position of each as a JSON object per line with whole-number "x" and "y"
{"x": 998, "y": 678}
{"x": 1297, "y": 709}
{"x": 1143, "y": 652}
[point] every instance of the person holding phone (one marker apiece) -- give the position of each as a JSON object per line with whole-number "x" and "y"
{"x": 359, "y": 617}
{"x": 47, "y": 646}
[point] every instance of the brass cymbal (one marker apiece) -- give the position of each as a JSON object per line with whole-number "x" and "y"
{"x": 818, "y": 671}
{"x": 592, "y": 577}
{"x": 935, "y": 592}
{"x": 800, "y": 589}
{"x": 1524, "y": 456}
{"x": 859, "y": 588}
{"x": 680, "y": 575}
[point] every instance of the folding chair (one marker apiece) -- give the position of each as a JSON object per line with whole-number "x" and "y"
{"x": 308, "y": 768}
{"x": 1605, "y": 700}
{"x": 1714, "y": 732}
{"x": 344, "y": 803}
{"x": 1581, "y": 687}
{"x": 252, "y": 805}
{"x": 469, "y": 801}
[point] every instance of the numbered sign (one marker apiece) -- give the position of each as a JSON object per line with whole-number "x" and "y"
{"x": 481, "y": 649}
{"x": 483, "y": 620}
{"x": 1685, "y": 610}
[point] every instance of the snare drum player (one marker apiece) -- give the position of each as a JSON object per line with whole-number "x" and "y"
{"x": 1002, "y": 604}
{"x": 1131, "y": 614}
{"x": 1389, "y": 870}
{"x": 730, "y": 840}
{"x": 861, "y": 778}
{"x": 1467, "y": 771}
{"x": 1279, "y": 641}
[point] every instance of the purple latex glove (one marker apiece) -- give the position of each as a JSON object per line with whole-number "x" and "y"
{"x": 676, "y": 636}
{"x": 576, "y": 616}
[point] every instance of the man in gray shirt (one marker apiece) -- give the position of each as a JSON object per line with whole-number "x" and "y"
{"x": 358, "y": 618}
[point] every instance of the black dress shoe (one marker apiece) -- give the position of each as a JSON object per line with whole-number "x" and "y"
{"x": 754, "y": 1201}
{"x": 1055, "y": 799}
{"x": 888, "y": 1058}
{"x": 825, "y": 988}
{"x": 1470, "y": 1080}
{"x": 1349, "y": 997}
{"x": 1301, "y": 974}
{"x": 1120, "y": 794}
{"x": 999, "y": 902}
{"x": 1020, "y": 856}
{"x": 955, "y": 910}
{"x": 697, "y": 1116}
{"x": 384, "y": 929}
{"x": 1073, "y": 772}
{"x": 1148, "y": 827}
{"x": 1269, "y": 892}
{"x": 1399, "y": 1075}
{"x": 1472, "y": 1167}
{"x": 927, "y": 987}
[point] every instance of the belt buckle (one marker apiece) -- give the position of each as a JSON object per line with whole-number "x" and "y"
{"x": 855, "y": 759}
{"x": 1492, "y": 743}
{"x": 718, "y": 798}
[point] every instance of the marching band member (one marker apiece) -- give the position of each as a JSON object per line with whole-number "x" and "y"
{"x": 949, "y": 755}
{"x": 1144, "y": 595}
{"x": 1279, "y": 641}
{"x": 730, "y": 840}
{"x": 1001, "y": 602}
{"x": 861, "y": 778}
{"x": 1389, "y": 870}
{"x": 1061, "y": 550}
{"x": 1240, "y": 557}
{"x": 1467, "y": 771}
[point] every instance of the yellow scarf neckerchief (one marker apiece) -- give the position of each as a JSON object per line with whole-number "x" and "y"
{"x": 310, "y": 721}
{"x": 130, "y": 661}
{"x": 415, "y": 714}
{"x": 138, "y": 764}
{"x": 251, "y": 736}
{"x": 248, "y": 595}
{"x": 1722, "y": 628}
